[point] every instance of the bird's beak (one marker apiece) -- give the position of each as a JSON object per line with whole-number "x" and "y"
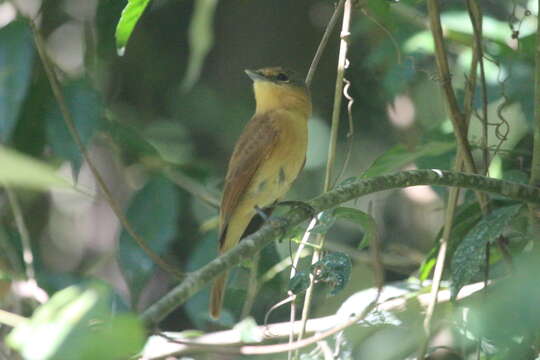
{"x": 255, "y": 76}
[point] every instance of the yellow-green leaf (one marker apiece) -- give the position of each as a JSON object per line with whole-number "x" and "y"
{"x": 129, "y": 18}
{"x": 201, "y": 39}
{"x": 19, "y": 170}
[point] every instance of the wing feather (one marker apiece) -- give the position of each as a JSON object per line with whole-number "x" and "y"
{"x": 254, "y": 146}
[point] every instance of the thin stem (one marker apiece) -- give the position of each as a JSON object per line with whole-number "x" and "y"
{"x": 338, "y": 96}
{"x": 439, "y": 269}
{"x": 192, "y": 187}
{"x": 297, "y": 257}
{"x": 324, "y": 41}
{"x": 475, "y": 14}
{"x": 457, "y": 118}
{"x": 28, "y": 256}
{"x": 252, "y": 287}
{"x": 450, "y": 209}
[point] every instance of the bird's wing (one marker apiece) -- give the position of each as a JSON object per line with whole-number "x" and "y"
{"x": 254, "y": 146}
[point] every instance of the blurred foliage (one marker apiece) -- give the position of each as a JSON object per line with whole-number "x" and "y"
{"x": 153, "y": 211}
{"x": 156, "y": 87}
{"x": 16, "y": 58}
{"x": 77, "y": 323}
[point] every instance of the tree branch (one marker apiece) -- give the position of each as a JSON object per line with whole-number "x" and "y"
{"x": 276, "y": 227}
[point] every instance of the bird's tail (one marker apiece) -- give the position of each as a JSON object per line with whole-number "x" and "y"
{"x": 216, "y": 297}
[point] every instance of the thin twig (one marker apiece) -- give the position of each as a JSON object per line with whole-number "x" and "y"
{"x": 376, "y": 259}
{"x": 338, "y": 96}
{"x": 252, "y": 287}
{"x": 322, "y": 45}
{"x": 475, "y": 14}
{"x": 439, "y": 269}
{"x": 303, "y": 243}
{"x": 28, "y": 256}
{"x": 445, "y": 80}
{"x": 451, "y": 206}
{"x": 68, "y": 119}
{"x": 192, "y": 187}
{"x": 309, "y": 78}
{"x": 350, "y": 133}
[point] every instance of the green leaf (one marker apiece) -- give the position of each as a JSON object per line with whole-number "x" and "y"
{"x": 86, "y": 108}
{"x": 19, "y": 170}
{"x": 470, "y": 256}
{"x": 134, "y": 147}
{"x": 361, "y": 218}
{"x": 399, "y": 156}
{"x": 16, "y": 60}
{"x": 324, "y": 222}
{"x": 76, "y": 323}
{"x": 201, "y": 39}
{"x": 153, "y": 214}
{"x": 466, "y": 216}
{"x": 129, "y": 18}
{"x": 327, "y": 219}
{"x": 299, "y": 282}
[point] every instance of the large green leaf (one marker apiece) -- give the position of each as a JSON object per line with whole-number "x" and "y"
{"x": 201, "y": 39}
{"x": 470, "y": 256}
{"x": 76, "y": 323}
{"x": 466, "y": 216}
{"x": 16, "y": 59}
{"x": 86, "y": 108}
{"x": 19, "y": 170}
{"x": 153, "y": 213}
{"x": 399, "y": 156}
{"x": 129, "y": 18}
{"x": 362, "y": 219}
{"x": 133, "y": 146}
{"x": 327, "y": 219}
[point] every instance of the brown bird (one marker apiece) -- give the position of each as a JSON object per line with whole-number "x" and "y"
{"x": 267, "y": 158}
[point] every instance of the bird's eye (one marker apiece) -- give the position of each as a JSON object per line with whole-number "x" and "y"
{"x": 282, "y": 77}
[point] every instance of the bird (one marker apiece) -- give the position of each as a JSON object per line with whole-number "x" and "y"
{"x": 266, "y": 160}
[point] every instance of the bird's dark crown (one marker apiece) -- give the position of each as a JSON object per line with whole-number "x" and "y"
{"x": 276, "y": 74}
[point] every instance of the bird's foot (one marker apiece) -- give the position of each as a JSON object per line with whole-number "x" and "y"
{"x": 264, "y": 213}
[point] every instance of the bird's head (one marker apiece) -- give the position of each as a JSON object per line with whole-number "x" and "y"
{"x": 276, "y": 87}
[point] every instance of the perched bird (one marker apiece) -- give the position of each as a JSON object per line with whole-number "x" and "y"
{"x": 267, "y": 158}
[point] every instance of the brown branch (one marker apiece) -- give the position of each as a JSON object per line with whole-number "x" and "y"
{"x": 445, "y": 80}
{"x": 324, "y": 41}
